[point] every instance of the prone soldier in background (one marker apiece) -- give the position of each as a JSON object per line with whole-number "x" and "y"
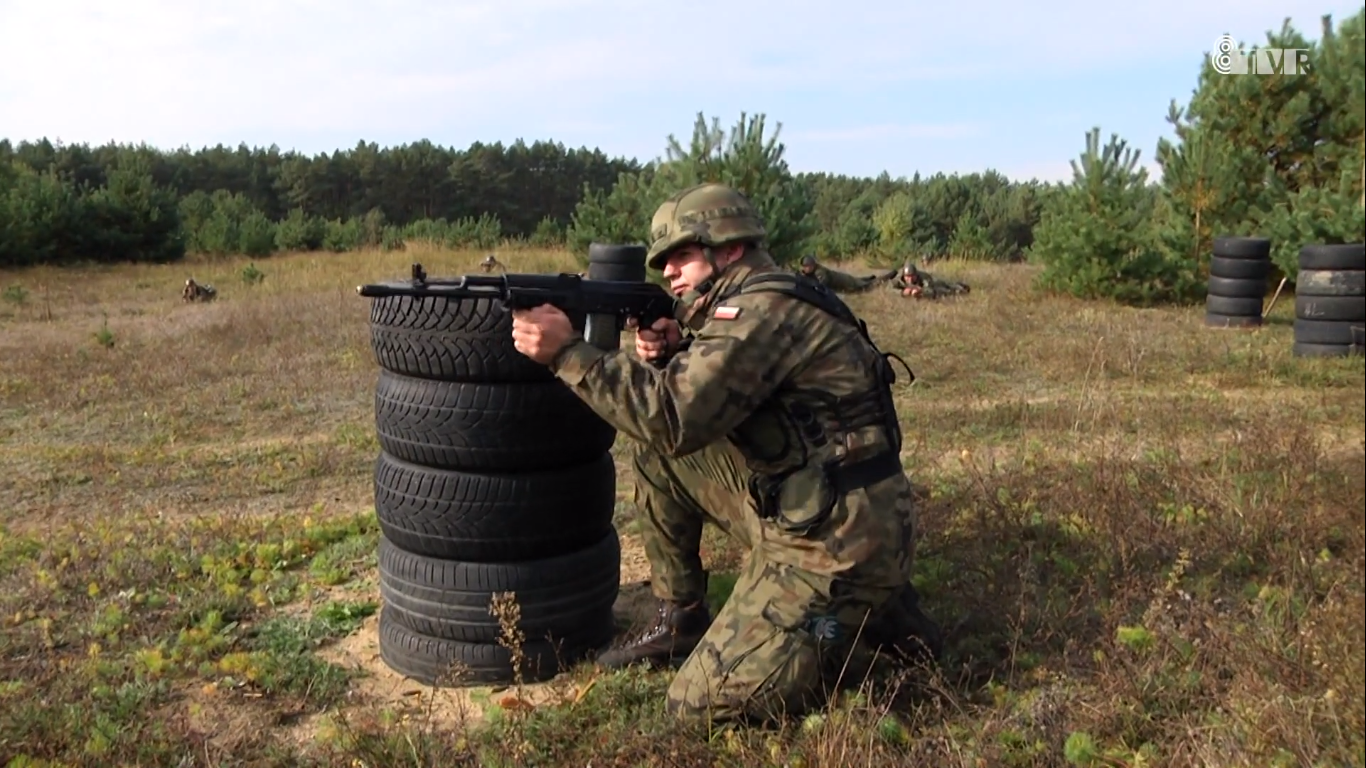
{"x": 918, "y": 284}
{"x": 196, "y": 292}
{"x": 841, "y": 282}
{"x": 773, "y": 420}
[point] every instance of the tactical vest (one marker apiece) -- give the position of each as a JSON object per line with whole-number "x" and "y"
{"x": 787, "y": 485}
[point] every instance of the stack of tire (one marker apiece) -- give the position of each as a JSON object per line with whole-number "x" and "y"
{"x": 625, "y": 263}
{"x": 492, "y": 478}
{"x": 1238, "y": 270}
{"x": 1330, "y": 301}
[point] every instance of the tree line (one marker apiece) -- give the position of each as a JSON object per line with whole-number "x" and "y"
{"x": 1279, "y": 156}
{"x": 75, "y": 203}
{"x": 974, "y": 216}
{"x": 64, "y": 204}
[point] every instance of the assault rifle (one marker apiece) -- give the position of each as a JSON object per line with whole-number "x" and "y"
{"x": 606, "y": 305}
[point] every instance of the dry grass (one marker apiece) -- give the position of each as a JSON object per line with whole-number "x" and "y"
{"x": 1146, "y": 536}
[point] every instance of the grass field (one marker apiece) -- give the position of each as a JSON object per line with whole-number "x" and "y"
{"x": 1145, "y": 537}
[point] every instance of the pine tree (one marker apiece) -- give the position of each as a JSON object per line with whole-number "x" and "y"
{"x": 1206, "y": 189}
{"x": 1325, "y": 204}
{"x": 138, "y": 220}
{"x": 894, "y": 222}
{"x": 1096, "y": 238}
{"x": 745, "y": 159}
{"x": 970, "y": 240}
{"x": 1277, "y": 156}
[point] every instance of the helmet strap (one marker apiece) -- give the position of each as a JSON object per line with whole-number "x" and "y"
{"x": 710, "y": 282}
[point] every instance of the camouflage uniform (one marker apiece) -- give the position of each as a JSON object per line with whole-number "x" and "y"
{"x": 930, "y": 286}
{"x": 841, "y": 282}
{"x": 774, "y": 421}
{"x": 195, "y": 292}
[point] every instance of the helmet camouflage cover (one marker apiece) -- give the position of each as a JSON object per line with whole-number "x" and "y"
{"x": 706, "y": 214}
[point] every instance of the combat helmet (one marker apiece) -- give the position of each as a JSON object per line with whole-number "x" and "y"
{"x": 710, "y": 215}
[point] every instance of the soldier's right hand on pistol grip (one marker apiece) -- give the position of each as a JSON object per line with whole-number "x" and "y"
{"x": 659, "y": 340}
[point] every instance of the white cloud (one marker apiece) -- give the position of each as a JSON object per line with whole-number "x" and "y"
{"x": 894, "y": 131}
{"x": 172, "y": 73}
{"x": 1062, "y": 171}
{"x": 1048, "y": 172}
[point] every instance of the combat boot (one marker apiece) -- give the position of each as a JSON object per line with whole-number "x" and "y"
{"x": 676, "y": 631}
{"x": 905, "y": 632}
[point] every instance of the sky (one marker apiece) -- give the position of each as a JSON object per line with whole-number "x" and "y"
{"x": 859, "y": 87}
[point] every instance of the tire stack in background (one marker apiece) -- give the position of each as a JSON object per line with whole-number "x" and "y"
{"x": 616, "y": 262}
{"x": 623, "y": 263}
{"x": 1238, "y": 271}
{"x": 1330, "y": 301}
{"x": 492, "y": 478}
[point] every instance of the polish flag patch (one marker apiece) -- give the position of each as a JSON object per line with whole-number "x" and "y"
{"x": 726, "y": 313}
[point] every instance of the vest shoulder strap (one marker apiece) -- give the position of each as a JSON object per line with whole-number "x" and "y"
{"x": 820, "y": 296}
{"x": 803, "y": 289}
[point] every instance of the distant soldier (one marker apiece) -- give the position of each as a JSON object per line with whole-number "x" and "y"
{"x": 841, "y": 282}
{"x": 490, "y": 262}
{"x": 918, "y": 284}
{"x": 196, "y": 292}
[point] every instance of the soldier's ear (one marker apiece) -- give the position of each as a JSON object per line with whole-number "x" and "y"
{"x": 732, "y": 251}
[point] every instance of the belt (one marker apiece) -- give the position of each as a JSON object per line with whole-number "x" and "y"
{"x": 843, "y": 479}
{"x": 866, "y": 472}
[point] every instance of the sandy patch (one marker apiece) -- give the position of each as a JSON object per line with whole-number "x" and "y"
{"x": 377, "y": 688}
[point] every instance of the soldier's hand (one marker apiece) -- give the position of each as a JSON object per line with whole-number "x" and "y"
{"x": 659, "y": 340}
{"x": 540, "y": 333}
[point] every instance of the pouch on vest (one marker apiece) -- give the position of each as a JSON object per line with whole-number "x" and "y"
{"x": 801, "y": 501}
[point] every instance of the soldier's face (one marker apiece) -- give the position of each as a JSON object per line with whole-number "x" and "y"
{"x": 687, "y": 267}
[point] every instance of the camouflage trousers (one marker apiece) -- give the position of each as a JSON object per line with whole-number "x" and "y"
{"x": 779, "y": 645}
{"x": 941, "y": 288}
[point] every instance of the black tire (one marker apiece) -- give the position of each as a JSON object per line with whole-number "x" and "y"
{"x": 1347, "y": 308}
{"x": 1349, "y": 256}
{"x": 616, "y": 262}
{"x": 1239, "y": 269}
{"x": 1237, "y": 289}
{"x": 436, "y": 337}
{"x": 498, "y": 518}
{"x": 486, "y": 427}
{"x": 1215, "y": 320}
{"x": 1329, "y": 331}
{"x": 1242, "y": 247}
{"x": 1301, "y": 349}
{"x": 620, "y": 272}
{"x": 1223, "y": 305}
{"x": 1330, "y": 282}
{"x": 604, "y": 253}
{"x": 568, "y": 598}
{"x": 428, "y": 660}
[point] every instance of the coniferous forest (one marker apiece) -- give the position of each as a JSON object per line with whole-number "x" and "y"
{"x": 1278, "y": 156}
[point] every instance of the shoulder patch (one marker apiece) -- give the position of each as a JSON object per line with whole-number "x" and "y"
{"x": 726, "y": 313}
